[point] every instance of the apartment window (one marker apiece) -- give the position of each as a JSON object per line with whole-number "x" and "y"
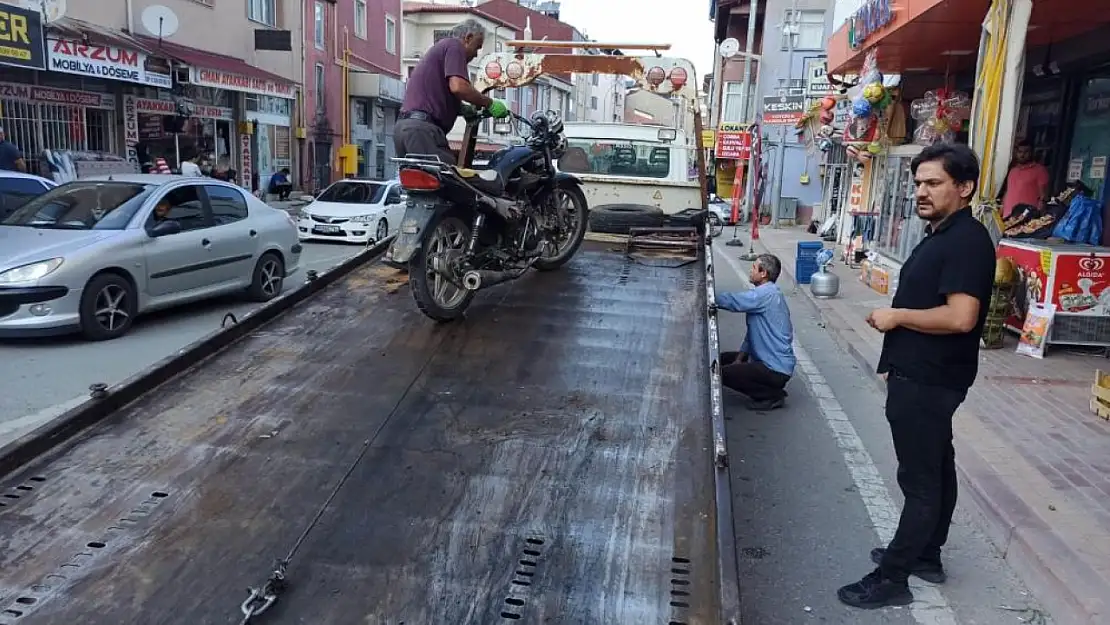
{"x": 596, "y": 79}
{"x": 360, "y": 18}
{"x": 263, "y": 11}
{"x": 733, "y": 100}
{"x": 390, "y": 34}
{"x": 320, "y": 88}
{"x": 807, "y": 27}
{"x": 593, "y": 102}
{"x": 320, "y": 21}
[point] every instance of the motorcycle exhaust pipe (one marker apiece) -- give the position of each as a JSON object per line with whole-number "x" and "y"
{"x": 484, "y": 278}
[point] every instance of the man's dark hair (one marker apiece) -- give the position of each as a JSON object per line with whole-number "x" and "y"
{"x": 771, "y": 264}
{"x": 1024, "y": 143}
{"x": 958, "y": 160}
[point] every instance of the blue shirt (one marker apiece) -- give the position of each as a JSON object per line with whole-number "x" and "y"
{"x": 770, "y": 338}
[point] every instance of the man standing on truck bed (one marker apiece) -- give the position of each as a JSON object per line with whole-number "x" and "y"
{"x": 766, "y": 360}
{"x": 930, "y": 359}
{"x": 438, "y": 86}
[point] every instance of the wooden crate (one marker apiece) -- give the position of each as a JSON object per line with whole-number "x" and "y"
{"x": 1100, "y": 395}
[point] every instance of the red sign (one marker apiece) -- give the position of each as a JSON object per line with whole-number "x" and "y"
{"x": 239, "y": 82}
{"x": 167, "y": 107}
{"x": 1079, "y": 282}
{"x": 50, "y": 95}
{"x": 734, "y": 141}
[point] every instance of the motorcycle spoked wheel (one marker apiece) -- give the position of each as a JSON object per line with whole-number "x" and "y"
{"x": 435, "y": 295}
{"x": 571, "y": 199}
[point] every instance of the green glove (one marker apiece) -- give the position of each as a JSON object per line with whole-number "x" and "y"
{"x": 498, "y": 109}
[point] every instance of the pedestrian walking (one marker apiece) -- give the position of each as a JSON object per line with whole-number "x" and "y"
{"x": 11, "y": 159}
{"x": 930, "y": 359}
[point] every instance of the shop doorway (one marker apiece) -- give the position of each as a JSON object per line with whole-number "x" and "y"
{"x": 321, "y": 168}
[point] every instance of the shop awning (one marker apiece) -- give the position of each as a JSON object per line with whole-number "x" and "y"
{"x": 943, "y": 35}
{"x": 208, "y": 69}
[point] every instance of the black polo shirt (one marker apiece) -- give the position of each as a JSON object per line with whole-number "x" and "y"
{"x": 958, "y": 257}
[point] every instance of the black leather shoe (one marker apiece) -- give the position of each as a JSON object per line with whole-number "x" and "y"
{"x": 874, "y": 591}
{"x": 932, "y": 572}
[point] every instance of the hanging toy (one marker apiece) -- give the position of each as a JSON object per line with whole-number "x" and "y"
{"x": 828, "y": 103}
{"x": 874, "y": 92}
{"x": 874, "y": 147}
{"x": 827, "y": 117}
{"x": 861, "y": 108}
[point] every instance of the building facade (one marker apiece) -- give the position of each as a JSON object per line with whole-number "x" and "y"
{"x": 146, "y": 80}
{"x": 353, "y": 87}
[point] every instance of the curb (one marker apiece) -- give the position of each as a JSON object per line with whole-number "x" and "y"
{"x": 1065, "y": 586}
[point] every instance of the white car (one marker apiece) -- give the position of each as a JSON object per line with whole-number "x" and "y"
{"x": 17, "y": 188}
{"x": 354, "y": 211}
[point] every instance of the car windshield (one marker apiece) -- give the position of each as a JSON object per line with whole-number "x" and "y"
{"x": 347, "y": 192}
{"x": 616, "y": 158}
{"x": 82, "y": 205}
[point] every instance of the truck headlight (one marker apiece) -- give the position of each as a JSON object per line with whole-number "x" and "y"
{"x": 31, "y": 272}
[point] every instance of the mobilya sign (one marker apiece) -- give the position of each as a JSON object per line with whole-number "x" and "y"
{"x": 21, "y": 38}
{"x": 111, "y": 62}
{"x": 870, "y": 17}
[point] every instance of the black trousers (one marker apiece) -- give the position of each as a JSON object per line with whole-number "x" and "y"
{"x": 417, "y": 137}
{"x": 752, "y": 378}
{"x": 920, "y": 417}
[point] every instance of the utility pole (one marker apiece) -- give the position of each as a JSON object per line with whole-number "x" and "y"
{"x": 789, "y": 28}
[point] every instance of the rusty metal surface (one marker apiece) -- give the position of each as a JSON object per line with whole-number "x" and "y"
{"x": 549, "y": 457}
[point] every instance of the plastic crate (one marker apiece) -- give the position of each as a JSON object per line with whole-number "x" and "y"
{"x": 804, "y": 270}
{"x": 808, "y": 249}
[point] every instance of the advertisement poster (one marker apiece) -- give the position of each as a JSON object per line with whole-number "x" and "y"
{"x": 1032, "y": 280}
{"x": 734, "y": 141}
{"x": 1080, "y": 284}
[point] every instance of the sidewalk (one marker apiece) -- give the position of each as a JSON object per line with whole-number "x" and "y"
{"x": 1032, "y": 457}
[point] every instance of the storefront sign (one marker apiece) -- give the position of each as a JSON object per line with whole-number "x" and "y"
{"x": 21, "y": 38}
{"x": 168, "y": 107}
{"x": 131, "y": 127}
{"x": 1098, "y": 168}
{"x": 1075, "y": 169}
{"x": 817, "y": 78}
{"x": 1079, "y": 282}
{"x": 245, "y": 161}
{"x": 734, "y": 141}
{"x": 872, "y": 16}
{"x": 50, "y": 95}
{"x": 110, "y": 62}
{"x": 783, "y": 109}
{"x": 238, "y": 82}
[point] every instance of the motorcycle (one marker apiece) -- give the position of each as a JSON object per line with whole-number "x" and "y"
{"x": 466, "y": 229}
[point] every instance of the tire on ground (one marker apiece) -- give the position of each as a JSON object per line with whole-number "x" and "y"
{"x": 620, "y": 218}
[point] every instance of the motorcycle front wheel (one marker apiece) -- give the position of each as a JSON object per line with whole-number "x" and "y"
{"x": 570, "y": 204}
{"x": 435, "y": 295}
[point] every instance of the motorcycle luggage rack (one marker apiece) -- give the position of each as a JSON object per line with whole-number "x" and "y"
{"x": 674, "y": 240}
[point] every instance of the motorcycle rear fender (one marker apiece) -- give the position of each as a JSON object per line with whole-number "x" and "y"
{"x": 413, "y": 230}
{"x": 563, "y": 176}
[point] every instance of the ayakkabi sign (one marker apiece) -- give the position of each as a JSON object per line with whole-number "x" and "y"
{"x": 238, "y": 82}
{"x": 109, "y": 62}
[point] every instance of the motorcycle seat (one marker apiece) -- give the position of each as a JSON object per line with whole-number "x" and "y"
{"x": 486, "y": 180}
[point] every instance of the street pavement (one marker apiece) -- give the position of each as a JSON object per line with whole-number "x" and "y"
{"x": 1031, "y": 455}
{"x": 814, "y": 490}
{"x": 43, "y": 377}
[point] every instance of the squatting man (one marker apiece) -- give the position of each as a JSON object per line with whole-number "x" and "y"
{"x": 765, "y": 362}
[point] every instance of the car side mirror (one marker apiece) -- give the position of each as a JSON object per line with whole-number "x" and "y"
{"x": 164, "y": 228}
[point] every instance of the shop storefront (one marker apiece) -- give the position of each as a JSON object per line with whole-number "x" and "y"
{"x": 38, "y": 118}
{"x": 175, "y": 130}
{"x": 271, "y": 143}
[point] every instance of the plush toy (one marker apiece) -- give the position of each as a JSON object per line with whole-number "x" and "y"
{"x": 874, "y": 92}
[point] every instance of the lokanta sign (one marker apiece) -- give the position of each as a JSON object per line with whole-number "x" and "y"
{"x": 238, "y": 82}
{"x": 734, "y": 141}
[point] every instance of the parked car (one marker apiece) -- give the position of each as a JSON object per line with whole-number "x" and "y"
{"x": 354, "y": 211}
{"x": 17, "y": 188}
{"x": 91, "y": 255}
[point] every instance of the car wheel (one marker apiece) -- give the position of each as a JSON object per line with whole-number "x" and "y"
{"x": 108, "y": 307}
{"x": 268, "y": 279}
{"x": 383, "y": 231}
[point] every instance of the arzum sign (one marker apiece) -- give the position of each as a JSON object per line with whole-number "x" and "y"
{"x": 870, "y": 17}
{"x": 22, "y": 42}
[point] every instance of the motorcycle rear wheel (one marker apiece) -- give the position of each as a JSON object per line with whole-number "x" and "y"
{"x": 570, "y": 195}
{"x": 435, "y": 296}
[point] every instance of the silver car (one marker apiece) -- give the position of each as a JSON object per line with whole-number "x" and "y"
{"x": 91, "y": 255}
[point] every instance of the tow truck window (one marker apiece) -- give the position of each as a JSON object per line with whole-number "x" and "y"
{"x": 616, "y": 158}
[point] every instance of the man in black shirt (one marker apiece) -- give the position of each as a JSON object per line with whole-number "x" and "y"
{"x": 930, "y": 359}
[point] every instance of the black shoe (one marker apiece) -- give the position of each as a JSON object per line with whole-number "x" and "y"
{"x": 932, "y": 572}
{"x": 768, "y": 404}
{"x": 873, "y": 591}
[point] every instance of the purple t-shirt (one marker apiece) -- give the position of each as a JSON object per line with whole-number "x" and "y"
{"x": 428, "y": 87}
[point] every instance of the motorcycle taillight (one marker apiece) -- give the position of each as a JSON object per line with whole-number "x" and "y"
{"x": 418, "y": 180}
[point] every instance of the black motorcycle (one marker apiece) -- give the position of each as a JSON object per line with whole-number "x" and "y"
{"x": 468, "y": 229}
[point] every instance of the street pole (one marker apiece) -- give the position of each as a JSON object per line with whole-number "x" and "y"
{"x": 746, "y": 114}
{"x": 776, "y": 197}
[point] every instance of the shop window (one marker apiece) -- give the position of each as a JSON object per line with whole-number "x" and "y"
{"x": 360, "y": 18}
{"x": 263, "y": 11}
{"x": 806, "y": 28}
{"x": 390, "y": 34}
{"x": 228, "y": 205}
{"x": 320, "y": 21}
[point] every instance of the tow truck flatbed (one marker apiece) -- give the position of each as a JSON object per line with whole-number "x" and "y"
{"x": 550, "y": 459}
